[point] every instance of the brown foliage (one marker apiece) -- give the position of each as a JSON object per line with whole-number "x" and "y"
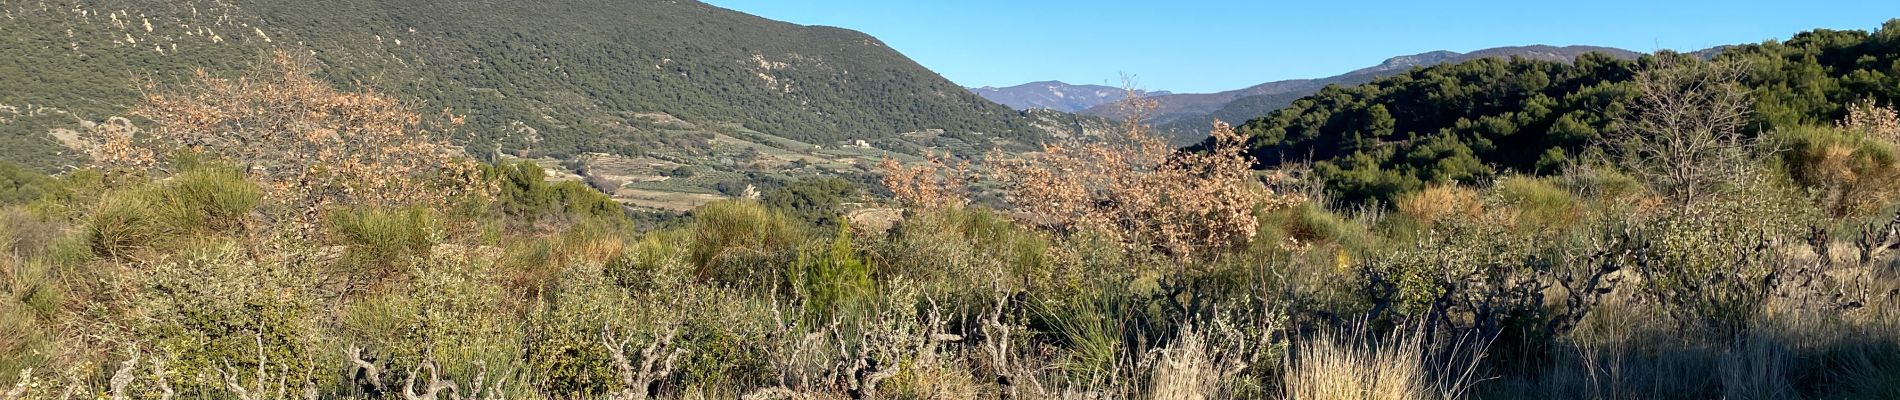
{"x": 1879, "y": 123}
{"x": 938, "y": 182}
{"x": 1860, "y": 180}
{"x": 112, "y": 144}
{"x": 1132, "y": 186}
{"x": 308, "y": 143}
{"x": 1440, "y": 202}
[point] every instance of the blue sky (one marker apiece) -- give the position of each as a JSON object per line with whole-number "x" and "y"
{"x": 1214, "y": 45}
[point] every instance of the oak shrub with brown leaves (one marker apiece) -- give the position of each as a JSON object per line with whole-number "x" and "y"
{"x": 1142, "y": 192}
{"x": 309, "y": 145}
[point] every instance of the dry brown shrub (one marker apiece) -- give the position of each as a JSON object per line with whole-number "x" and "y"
{"x": 1440, "y": 202}
{"x": 1132, "y": 186}
{"x": 1881, "y": 123}
{"x": 937, "y": 182}
{"x": 112, "y": 144}
{"x": 309, "y": 144}
{"x": 1859, "y": 180}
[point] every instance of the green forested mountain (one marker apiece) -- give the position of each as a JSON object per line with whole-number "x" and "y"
{"x": 556, "y": 77}
{"x": 1188, "y": 115}
{"x": 1470, "y": 121}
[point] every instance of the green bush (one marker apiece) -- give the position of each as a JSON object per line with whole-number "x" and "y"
{"x": 527, "y": 195}
{"x": 816, "y": 201}
{"x": 209, "y": 198}
{"x": 124, "y": 223}
{"x": 656, "y": 262}
{"x": 213, "y": 312}
{"x": 19, "y": 185}
{"x": 1312, "y": 224}
{"x": 742, "y": 243}
{"x": 833, "y": 281}
{"x": 379, "y": 240}
{"x": 456, "y": 312}
{"x": 202, "y": 201}
{"x": 1539, "y": 203}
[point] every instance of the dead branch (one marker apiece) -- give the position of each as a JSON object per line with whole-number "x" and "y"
{"x": 656, "y": 362}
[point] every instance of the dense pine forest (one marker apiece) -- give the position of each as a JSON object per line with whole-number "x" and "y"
{"x": 1676, "y": 226}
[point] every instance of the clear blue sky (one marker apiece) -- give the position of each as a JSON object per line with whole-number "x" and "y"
{"x": 1214, "y": 45}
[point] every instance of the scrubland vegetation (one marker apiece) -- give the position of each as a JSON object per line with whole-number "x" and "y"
{"x": 271, "y": 236}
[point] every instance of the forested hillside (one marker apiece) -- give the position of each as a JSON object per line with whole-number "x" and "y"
{"x": 1473, "y": 121}
{"x": 549, "y": 77}
{"x": 1189, "y": 114}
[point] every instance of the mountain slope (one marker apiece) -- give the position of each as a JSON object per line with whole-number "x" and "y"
{"x": 1254, "y": 106}
{"x": 552, "y": 77}
{"x": 1481, "y": 119}
{"x": 1056, "y": 95}
{"x": 1192, "y": 113}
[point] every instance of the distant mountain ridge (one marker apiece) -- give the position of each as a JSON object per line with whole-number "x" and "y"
{"x": 1056, "y": 95}
{"x": 1192, "y": 113}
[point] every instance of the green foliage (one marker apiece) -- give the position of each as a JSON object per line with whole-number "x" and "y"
{"x": 1470, "y": 121}
{"x": 1540, "y": 204}
{"x": 816, "y": 201}
{"x": 456, "y": 312}
{"x": 834, "y": 281}
{"x": 969, "y": 252}
{"x": 526, "y": 194}
{"x": 209, "y": 200}
{"x": 556, "y": 79}
{"x": 1311, "y": 224}
{"x": 215, "y": 313}
{"x": 654, "y": 263}
{"x": 739, "y": 242}
{"x": 380, "y": 241}
{"x": 19, "y": 185}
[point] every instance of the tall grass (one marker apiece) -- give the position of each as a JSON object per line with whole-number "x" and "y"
{"x": 1402, "y": 365}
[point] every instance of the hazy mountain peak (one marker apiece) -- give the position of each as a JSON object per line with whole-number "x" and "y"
{"x": 1057, "y": 95}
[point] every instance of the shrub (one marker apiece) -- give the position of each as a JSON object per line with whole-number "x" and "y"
{"x": 742, "y": 243}
{"x": 1536, "y": 204}
{"x": 124, "y": 223}
{"x": 379, "y": 241}
{"x": 215, "y": 313}
{"x": 309, "y": 143}
{"x": 834, "y": 281}
{"x": 202, "y": 201}
{"x": 1311, "y": 224}
{"x": 456, "y": 313}
{"x": 968, "y": 251}
{"x": 1135, "y": 188}
{"x": 815, "y": 201}
{"x": 1851, "y": 173}
{"x": 525, "y": 193}
{"x": 19, "y": 185}
{"x": 1438, "y": 203}
{"x": 210, "y": 198}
